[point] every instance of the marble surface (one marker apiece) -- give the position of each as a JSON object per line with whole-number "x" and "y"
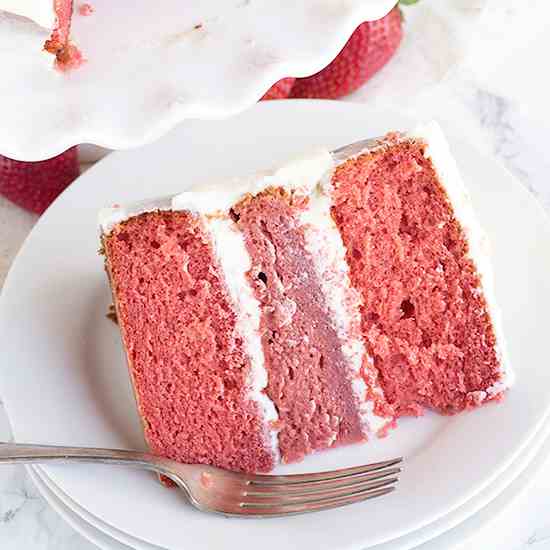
{"x": 502, "y": 114}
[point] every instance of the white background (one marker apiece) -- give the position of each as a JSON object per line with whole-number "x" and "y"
{"x": 498, "y": 96}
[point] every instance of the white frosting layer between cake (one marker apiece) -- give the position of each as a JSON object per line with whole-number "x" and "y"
{"x": 328, "y": 253}
{"x": 234, "y": 266}
{"x": 479, "y": 247}
{"x": 40, "y": 11}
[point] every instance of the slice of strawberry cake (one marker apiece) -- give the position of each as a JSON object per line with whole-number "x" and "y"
{"x": 56, "y": 16}
{"x": 293, "y": 311}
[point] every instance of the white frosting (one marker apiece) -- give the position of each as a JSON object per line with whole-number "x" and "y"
{"x": 445, "y": 166}
{"x": 40, "y": 11}
{"x": 235, "y": 262}
{"x": 300, "y": 175}
{"x": 328, "y": 253}
{"x": 109, "y": 217}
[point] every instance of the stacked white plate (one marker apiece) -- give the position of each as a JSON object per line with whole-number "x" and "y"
{"x": 67, "y": 382}
{"x": 451, "y": 532}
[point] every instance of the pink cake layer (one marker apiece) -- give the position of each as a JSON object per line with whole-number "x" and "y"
{"x": 425, "y": 320}
{"x": 309, "y": 382}
{"x": 186, "y": 361}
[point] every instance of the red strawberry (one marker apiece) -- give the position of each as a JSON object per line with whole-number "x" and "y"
{"x": 34, "y": 185}
{"x": 280, "y": 90}
{"x": 370, "y": 47}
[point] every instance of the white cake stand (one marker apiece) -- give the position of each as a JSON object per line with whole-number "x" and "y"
{"x": 152, "y": 65}
{"x": 149, "y": 68}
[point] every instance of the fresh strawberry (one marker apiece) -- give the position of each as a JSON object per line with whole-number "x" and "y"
{"x": 34, "y": 185}
{"x": 370, "y": 47}
{"x": 280, "y": 90}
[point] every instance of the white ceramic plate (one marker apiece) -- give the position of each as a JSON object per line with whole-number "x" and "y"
{"x": 87, "y": 530}
{"x": 149, "y": 68}
{"x": 451, "y": 531}
{"x": 67, "y": 382}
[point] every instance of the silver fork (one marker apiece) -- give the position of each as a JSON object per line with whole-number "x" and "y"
{"x": 212, "y": 489}
{"x": 351, "y": 149}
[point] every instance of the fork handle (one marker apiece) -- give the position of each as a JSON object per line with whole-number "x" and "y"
{"x": 14, "y": 453}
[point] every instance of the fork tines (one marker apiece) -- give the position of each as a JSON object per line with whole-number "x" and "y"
{"x": 265, "y": 495}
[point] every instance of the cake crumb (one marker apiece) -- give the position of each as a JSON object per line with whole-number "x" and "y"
{"x": 67, "y": 56}
{"x": 111, "y": 314}
{"x": 385, "y": 429}
{"x": 206, "y": 480}
{"x": 86, "y": 9}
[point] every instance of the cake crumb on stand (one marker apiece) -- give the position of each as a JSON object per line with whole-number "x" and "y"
{"x": 86, "y": 9}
